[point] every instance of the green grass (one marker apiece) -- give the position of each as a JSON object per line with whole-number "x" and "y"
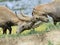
{"x": 45, "y": 27}
{"x": 50, "y": 43}
{"x": 42, "y": 29}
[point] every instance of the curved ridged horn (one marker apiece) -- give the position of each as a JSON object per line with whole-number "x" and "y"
{"x": 23, "y": 17}
{"x": 23, "y": 14}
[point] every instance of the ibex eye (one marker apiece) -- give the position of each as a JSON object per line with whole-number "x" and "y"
{"x": 22, "y": 26}
{"x": 44, "y": 14}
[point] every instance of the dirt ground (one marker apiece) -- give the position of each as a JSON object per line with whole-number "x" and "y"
{"x": 49, "y": 38}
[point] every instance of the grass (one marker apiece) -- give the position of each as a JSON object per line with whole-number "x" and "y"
{"x": 45, "y": 27}
{"x": 38, "y": 32}
{"x": 50, "y": 43}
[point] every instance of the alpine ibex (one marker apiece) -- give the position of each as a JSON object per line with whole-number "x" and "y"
{"x": 8, "y": 19}
{"x": 51, "y": 9}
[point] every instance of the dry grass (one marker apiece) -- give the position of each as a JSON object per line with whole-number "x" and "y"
{"x": 25, "y": 40}
{"x": 48, "y": 38}
{"x": 54, "y": 37}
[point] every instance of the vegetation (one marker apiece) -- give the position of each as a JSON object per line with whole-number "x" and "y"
{"x": 37, "y": 33}
{"x": 50, "y": 43}
{"x": 45, "y": 27}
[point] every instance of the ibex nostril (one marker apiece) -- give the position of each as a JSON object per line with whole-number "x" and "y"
{"x": 47, "y": 20}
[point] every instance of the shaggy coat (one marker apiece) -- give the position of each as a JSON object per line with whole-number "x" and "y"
{"x": 8, "y": 19}
{"x": 51, "y": 9}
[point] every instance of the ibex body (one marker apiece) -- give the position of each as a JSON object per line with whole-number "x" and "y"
{"x": 51, "y": 9}
{"x": 8, "y": 19}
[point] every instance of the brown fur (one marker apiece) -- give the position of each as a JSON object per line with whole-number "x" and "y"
{"x": 52, "y": 9}
{"x": 8, "y": 19}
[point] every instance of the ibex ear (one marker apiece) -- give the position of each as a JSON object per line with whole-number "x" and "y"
{"x": 34, "y": 11}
